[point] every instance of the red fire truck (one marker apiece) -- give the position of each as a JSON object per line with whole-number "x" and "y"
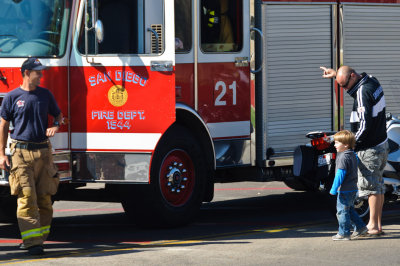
{"x": 159, "y": 96}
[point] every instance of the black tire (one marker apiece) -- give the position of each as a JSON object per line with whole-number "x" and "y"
{"x": 295, "y": 184}
{"x": 331, "y": 202}
{"x": 170, "y": 200}
{"x": 362, "y": 207}
{"x": 8, "y": 206}
{"x": 301, "y": 185}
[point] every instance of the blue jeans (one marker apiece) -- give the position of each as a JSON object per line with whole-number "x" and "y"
{"x": 346, "y": 214}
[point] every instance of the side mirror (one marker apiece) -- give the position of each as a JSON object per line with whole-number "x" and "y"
{"x": 99, "y": 30}
{"x": 97, "y": 27}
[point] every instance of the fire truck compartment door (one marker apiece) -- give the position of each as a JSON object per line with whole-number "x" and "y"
{"x": 122, "y": 90}
{"x": 372, "y": 46}
{"x": 295, "y": 104}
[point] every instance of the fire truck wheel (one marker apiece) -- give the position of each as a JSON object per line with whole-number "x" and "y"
{"x": 8, "y": 206}
{"x": 178, "y": 177}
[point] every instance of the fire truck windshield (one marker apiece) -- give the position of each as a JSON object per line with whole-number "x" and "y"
{"x": 33, "y": 27}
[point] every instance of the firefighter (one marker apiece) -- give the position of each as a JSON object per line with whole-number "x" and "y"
{"x": 226, "y": 34}
{"x": 33, "y": 175}
{"x": 217, "y": 26}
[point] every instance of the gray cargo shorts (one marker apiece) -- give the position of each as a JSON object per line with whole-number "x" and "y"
{"x": 371, "y": 163}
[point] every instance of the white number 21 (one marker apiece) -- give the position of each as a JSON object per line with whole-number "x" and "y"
{"x": 218, "y": 101}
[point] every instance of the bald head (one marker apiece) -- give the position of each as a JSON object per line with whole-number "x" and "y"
{"x": 346, "y": 77}
{"x": 344, "y": 71}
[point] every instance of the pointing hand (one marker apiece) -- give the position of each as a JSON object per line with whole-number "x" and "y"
{"x": 328, "y": 72}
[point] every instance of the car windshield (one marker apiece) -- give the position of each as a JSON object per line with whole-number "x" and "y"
{"x": 33, "y": 27}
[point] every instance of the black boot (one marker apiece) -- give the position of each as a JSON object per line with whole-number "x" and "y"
{"x": 35, "y": 250}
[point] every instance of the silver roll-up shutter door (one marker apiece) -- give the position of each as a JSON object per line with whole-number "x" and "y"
{"x": 371, "y": 44}
{"x": 298, "y": 40}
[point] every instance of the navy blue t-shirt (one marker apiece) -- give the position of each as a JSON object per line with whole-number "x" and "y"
{"x": 28, "y": 111}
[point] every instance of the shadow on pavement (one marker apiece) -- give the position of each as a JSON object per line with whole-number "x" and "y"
{"x": 239, "y": 221}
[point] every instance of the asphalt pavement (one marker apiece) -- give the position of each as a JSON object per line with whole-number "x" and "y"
{"x": 248, "y": 223}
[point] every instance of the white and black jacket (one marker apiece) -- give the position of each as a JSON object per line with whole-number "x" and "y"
{"x": 368, "y": 119}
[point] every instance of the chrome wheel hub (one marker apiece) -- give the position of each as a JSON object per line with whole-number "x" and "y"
{"x": 176, "y": 176}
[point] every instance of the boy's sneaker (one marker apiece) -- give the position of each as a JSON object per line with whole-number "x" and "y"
{"x": 340, "y": 237}
{"x": 360, "y": 233}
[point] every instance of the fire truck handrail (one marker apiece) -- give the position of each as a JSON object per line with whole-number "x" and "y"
{"x": 262, "y": 51}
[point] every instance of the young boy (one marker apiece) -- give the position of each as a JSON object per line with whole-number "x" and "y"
{"x": 345, "y": 185}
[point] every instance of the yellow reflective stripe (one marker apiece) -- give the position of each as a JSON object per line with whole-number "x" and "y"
{"x": 31, "y": 233}
{"x": 45, "y": 229}
{"x": 211, "y": 20}
{"x": 31, "y": 230}
{"x": 212, "y": 13}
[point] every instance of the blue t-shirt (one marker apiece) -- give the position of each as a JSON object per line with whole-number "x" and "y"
{"x": 28, "y": 111}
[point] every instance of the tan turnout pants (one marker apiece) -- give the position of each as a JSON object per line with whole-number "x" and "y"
{"x": 33, "y": 179}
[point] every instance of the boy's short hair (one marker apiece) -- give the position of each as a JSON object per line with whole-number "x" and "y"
{"x": 346, "y": 137}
